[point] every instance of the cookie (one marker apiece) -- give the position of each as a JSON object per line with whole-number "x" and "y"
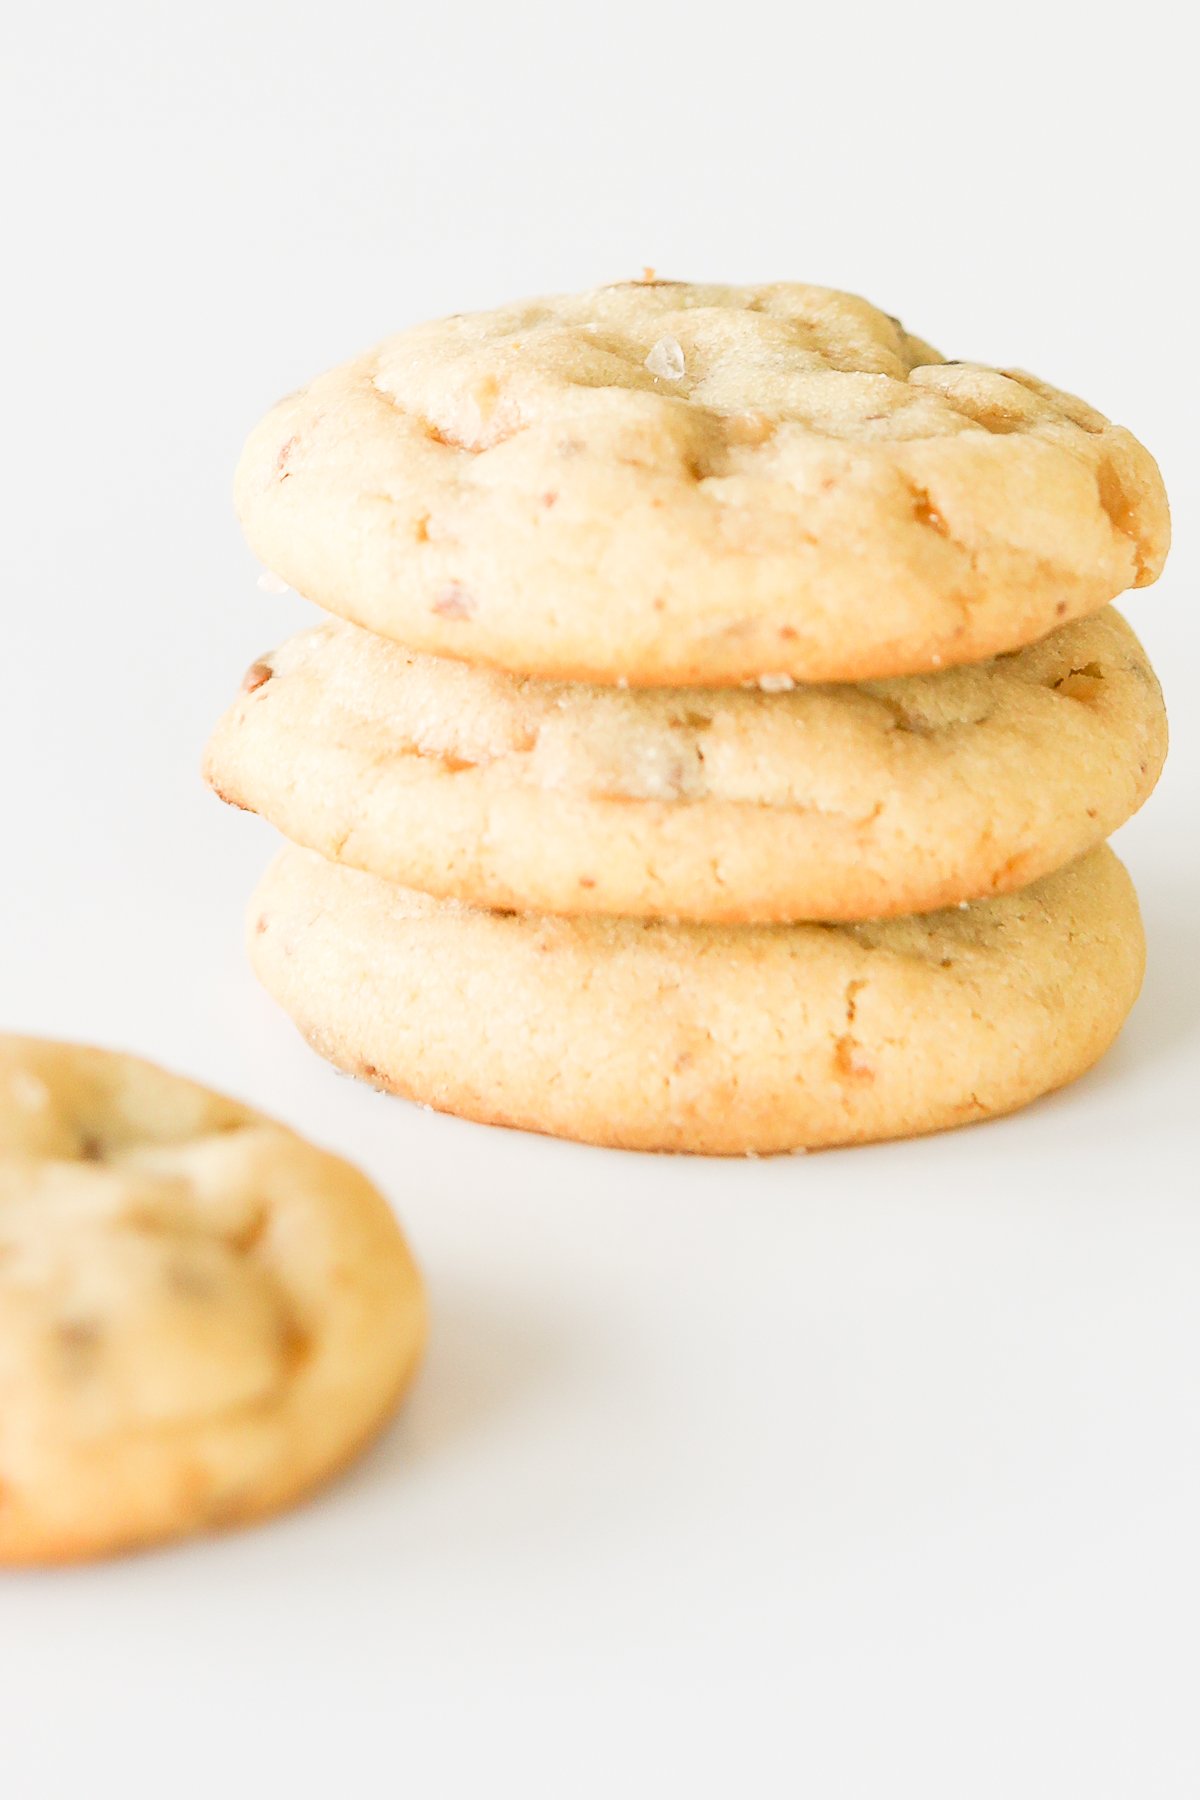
{"x": 668, "y": 483}
{"x": 201, "y": 1315}
{"x": 721, "y": 1039}
{"x": 834, "y": 802}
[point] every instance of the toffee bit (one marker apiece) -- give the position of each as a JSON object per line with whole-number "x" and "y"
{"x": 256, "y": 676}
{"x": 454, "y": 602}
{"x": 748, "y": 429}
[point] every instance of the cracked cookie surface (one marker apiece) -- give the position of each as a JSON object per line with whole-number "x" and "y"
{"x": 704, "y": 1038}
{"x": 672, "y": 483}
{"x": 201, "y": 1314}
{"x": 827, "y": 802}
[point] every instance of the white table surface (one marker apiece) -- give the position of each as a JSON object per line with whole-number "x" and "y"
{"x": 874, "y": 1472}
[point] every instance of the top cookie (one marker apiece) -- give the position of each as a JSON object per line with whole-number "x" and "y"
{"x": 669, "y": 483}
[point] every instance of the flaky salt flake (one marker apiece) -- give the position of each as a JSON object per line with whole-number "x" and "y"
{"x": 622, "y": 681}
{"x": 666, "y": 359}
{"x": 775, "y": 684}
{"x": 271, "y": 583}
{"x": 964, "y": 906}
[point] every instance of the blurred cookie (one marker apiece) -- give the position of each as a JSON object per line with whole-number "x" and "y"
{"x": 721, "y": 1039}
{"x": 709, "y": 804}
{"x": 201, "y": 1315}
{"x": 671, "y": 483}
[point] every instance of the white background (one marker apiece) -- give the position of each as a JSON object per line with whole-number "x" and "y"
{"x": 875, "y": 1473}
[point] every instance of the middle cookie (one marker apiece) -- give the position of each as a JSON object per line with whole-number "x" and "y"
{"x": 725, "y": 805}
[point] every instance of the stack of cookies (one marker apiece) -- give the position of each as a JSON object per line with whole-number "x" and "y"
{"x": 719, "y": 726}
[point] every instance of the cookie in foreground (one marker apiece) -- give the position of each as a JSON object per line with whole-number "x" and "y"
{"x": 835, "y": 802}
{"x": 717, "y": 1039}
{"x": 201, "y": 1315}
{"x": 679, "y": 483}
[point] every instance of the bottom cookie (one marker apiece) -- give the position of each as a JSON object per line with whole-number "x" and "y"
{"x": 202, "y": 1316}
{"x": 714, "y": 1039}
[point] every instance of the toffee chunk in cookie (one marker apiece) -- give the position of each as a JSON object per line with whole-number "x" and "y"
{"x": 720, "y": 1039}
{"x": 697, "y": 484}
{"x": 201, "y": 1315}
